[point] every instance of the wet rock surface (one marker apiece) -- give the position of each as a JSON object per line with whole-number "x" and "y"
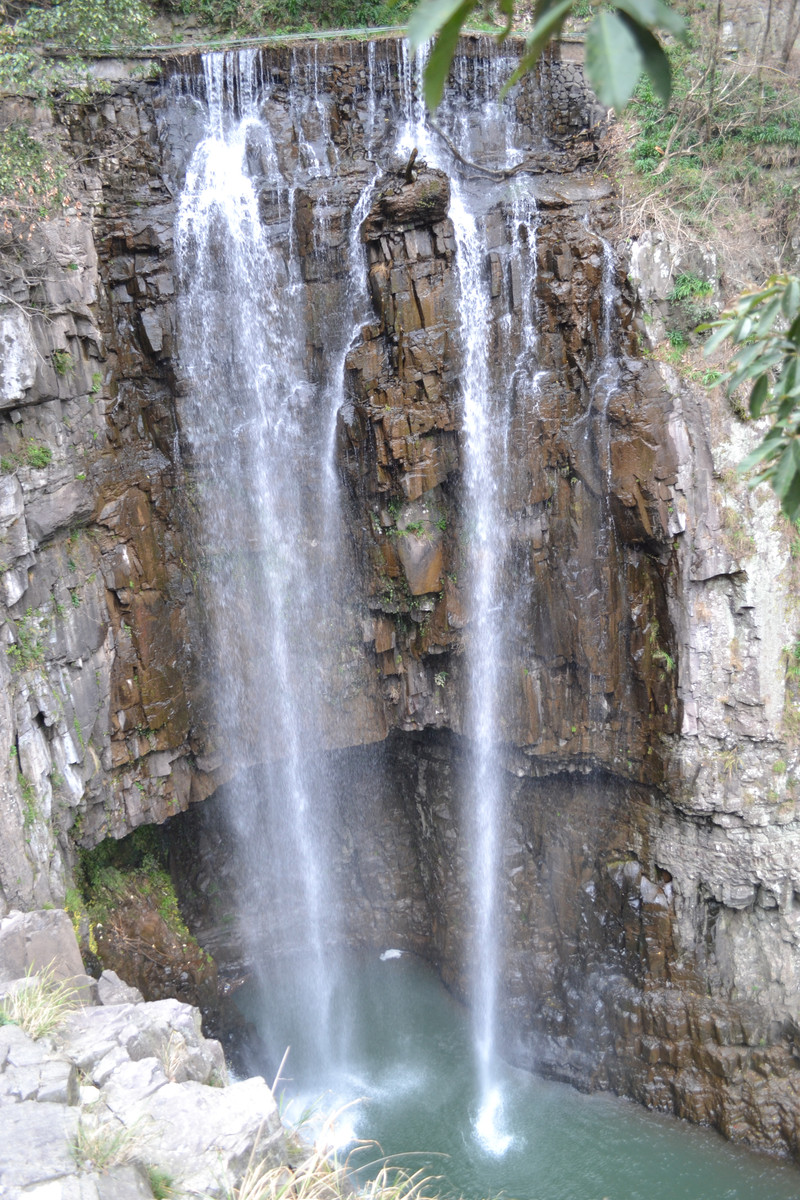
{"x": 619, "y": 968}
{"x": 626, "y": 962}
{"x": 589, "y": 488}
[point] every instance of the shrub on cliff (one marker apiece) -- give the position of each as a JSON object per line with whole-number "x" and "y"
{"x": 764, "y": 329}
{"x": 72, "y": 28}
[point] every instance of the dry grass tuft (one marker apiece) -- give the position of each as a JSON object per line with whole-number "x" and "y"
{"x": 39, "y": 1003}
{"x": 99, "y": 1146}
{"x": 321, "y": 1176}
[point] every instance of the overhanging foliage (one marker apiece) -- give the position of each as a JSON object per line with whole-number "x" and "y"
{"x": 764, "y": 326}
{"x": 621, "y": 42}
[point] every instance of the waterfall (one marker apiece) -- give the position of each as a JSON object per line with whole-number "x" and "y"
{"x": 487, "y": 389}
{"x": 419, "y": 370}
{"x": 609, "y": 296}
{"x": 258, "y": 429}
{"x": 607, "y": 377}
{"x": 261, "y": 419}
{"x": 484, "y": 434}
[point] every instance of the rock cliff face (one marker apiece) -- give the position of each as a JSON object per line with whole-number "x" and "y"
{"x": 98, "y": 607}
{"x": 648, "y": 726}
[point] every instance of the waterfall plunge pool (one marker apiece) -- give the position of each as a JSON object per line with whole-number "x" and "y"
{"x": 403, "y": 1074}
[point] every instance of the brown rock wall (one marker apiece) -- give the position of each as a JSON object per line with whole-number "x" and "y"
{"x": 98, "y": 593}
{"x": 587, "y": 486}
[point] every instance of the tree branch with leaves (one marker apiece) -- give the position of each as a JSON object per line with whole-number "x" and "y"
{"x": 622, "y": 42}
{"x": 764, "y": 327}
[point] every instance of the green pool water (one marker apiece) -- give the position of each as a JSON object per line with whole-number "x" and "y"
{"x": 402, "y": 1050}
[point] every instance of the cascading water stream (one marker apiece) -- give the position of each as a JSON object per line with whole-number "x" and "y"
{"x": 485, "y": 801}
{"x": 256, "y": 425}
{"x": 354, "y": 315}
{"x": 487, "y": 401}
{"x": 609, "y": 295}
{"x": 605, "y": 384}
{"x": 251, "y": 427}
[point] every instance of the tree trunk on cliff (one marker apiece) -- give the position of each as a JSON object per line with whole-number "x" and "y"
{"x": 712, "y": 71}
{"x": 792, "y": 30}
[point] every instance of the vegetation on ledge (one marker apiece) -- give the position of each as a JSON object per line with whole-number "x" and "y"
{"x": 127, "y": 917}
{"x": 720, "y": 160}
{"x": 717, "y": 169}
{"x": 74, "y": 31}
{"x": 254, "y": 17}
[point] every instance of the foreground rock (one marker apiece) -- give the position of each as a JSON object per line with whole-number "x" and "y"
{"x": 121, "y": 1089}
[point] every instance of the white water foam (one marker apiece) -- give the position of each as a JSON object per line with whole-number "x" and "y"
{"x": 489, "y": 1128}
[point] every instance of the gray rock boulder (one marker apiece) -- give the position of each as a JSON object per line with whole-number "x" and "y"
{"x": 204, "y": 1136}
{"x": 33, "y": 942}
{"x": 100, "y": 1039}
{"x": 112, "y": 990}
{"x": 29, "y": 1070}
{"x": 18, "y": 357}
{"x": 154, "y": 1090}
{"x": 37, "y": 1143}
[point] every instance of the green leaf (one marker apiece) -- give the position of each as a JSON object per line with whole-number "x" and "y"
{"x": 438, "y": 65}
{"x": 791, "y": 501}
{"x": 785, "y": 472}
{"x": 652, "y": 14}
{"x": 745, "y": 329}
{"x": 750, "y": 300}
{"x": 614, "y": 61}
{"x": 768, "y": 315}
{"x": 788, "y": 381}
{"x": 745, "y": 364}
{"x": 758, "y": 395}
{"x": 764, "y": 450}
{"x": 429, "y": 17}
{"x": 791, "y": 298}
{"x": 507, "y": 9}
{"x": 785, "y": 410}
{"x": 724, "y": 330}
{"x": 547, "y": 26}
{"x": 656, "y": 63}
{"x": 761, "y": 366}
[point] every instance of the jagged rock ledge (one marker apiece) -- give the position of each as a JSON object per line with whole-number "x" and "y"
{"x": 117, "y": 1073}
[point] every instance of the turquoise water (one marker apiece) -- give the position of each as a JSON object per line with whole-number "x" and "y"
{"x": 406, "y": 1059}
